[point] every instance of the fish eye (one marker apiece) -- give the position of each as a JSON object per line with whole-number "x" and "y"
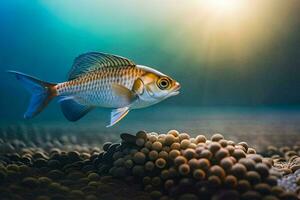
{"x": 163, "y": 83}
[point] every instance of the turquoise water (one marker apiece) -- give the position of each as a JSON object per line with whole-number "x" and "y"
{"x": 233, "y": 70}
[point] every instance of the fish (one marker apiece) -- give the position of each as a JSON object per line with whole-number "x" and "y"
{"x": 104, "y": 80}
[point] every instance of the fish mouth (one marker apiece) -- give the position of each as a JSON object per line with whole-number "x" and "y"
{"x": 176, "y": 89}
{"x": 174, "y": 93}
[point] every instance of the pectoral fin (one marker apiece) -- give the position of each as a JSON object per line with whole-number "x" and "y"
{"x": 124, "y": 93}
{"x": 138, "y": 86}
{"x": 117, "y": 114}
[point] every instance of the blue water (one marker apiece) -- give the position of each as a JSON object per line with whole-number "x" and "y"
{"x": 236, "y": 74}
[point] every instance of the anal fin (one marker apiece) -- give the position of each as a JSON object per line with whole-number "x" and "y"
{"x": 117, "y": 115}
{"x": 73, "y": 110}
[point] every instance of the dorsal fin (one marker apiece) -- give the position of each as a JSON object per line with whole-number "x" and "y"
{"x": 95, "y": 60}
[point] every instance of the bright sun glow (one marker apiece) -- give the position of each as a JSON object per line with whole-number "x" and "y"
{"x": 211, "y": 31}
{"x": 223, "y": 7}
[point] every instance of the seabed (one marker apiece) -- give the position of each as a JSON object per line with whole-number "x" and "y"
{"x": 51, "y": 163}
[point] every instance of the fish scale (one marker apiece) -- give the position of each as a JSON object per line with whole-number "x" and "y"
{"x": 94, "y": 88}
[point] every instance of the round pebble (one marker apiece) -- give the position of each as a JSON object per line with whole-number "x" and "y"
{"x": 175, "y": 133}
{"x": 179, "y": 160}
{"x": 217, "y": 171}
{"x": 200, "y": 139}
{"x": 214, "y": 147}
{"x": 157, "y": 146}
{"x": 174, "y": 154}
{"x": 170, "y": 139}
{"x": 199, "y": 174}
{"x": 238, "y": 170}
{"x": 216, "y": 137}
{"x": 139, "y": 158}
{"x": 149, "y": 166}
{"x": 153, "y": 155}
{"x": 185, "y": 143}
{"x": 184, "y": 169}
{"x": 160, "y": 163}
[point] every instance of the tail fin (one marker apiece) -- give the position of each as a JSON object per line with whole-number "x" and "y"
{"x": 42, "y": 93}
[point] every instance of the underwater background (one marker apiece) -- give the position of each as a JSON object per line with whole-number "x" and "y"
{"x": 238, "y": 64}
{"x": 233, "y": 132}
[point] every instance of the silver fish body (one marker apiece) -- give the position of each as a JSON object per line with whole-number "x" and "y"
{"x": 95, "y": 88}
{"x": 101, "y": 80}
